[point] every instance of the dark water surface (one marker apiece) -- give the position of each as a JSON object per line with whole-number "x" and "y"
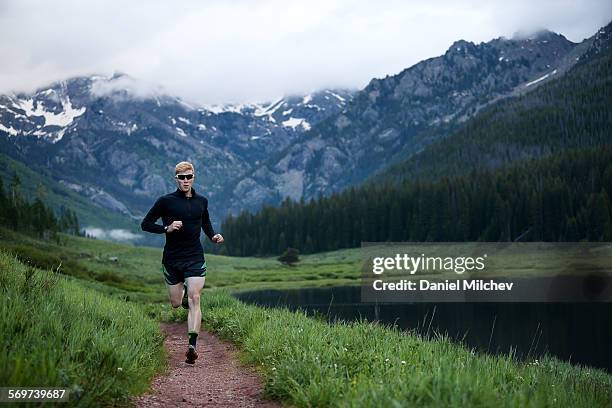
{"x": 577, "y": 332}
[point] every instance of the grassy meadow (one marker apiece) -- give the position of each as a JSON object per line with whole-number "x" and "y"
{"x": 125, "y": 270}
{"x": 58, "y": 333}
{"x": 311, "y": 363}
{"x": 97, "y": 306}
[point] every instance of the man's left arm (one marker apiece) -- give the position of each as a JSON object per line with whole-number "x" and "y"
{"x": 207, "y": 226}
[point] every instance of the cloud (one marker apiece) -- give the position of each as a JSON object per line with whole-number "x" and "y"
{"x": 120, "y": 84}
{"x": 241, "y": 51}
{"x": 112, "y": 234}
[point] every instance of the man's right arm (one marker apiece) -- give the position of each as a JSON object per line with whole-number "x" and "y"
{"x": 148, "y": 223}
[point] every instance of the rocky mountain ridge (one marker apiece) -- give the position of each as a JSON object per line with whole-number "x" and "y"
{"x": 133, "y": 134}
{"x": 395, "y": 117}
{"x": 116, "y": 139}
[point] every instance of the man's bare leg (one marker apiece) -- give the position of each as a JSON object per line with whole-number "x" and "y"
{"x": 194, "y": 316}
{"x": 175, "y": 293}
{"x": 195, "y": 284}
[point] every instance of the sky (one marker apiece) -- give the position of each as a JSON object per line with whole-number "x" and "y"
{"x": 216, "y": 52}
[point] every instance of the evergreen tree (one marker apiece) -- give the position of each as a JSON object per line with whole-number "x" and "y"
{"x": 289, "y": 257}
{"x": 554, "y": 199}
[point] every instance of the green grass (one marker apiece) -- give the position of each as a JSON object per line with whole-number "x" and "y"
{"x": 305, "y": 362}
{"x": 310, "y": 363}
{"x": 57, "y": 333}
{"x": 128, "y": 271}
{"x": 131, "y": 272}
{"x": 134, "y": 277}
{"x": 143, "y": 263}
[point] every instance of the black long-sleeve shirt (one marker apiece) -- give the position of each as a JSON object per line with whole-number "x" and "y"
{"x": 184, "y": 244}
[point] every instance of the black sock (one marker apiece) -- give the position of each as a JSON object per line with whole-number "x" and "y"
{"x": 193, "y": 336}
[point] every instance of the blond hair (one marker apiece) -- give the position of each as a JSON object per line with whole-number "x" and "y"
{"x": 183, "y": 166}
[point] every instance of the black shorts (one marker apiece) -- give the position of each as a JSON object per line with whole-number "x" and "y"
{"x": 177, "y": 272}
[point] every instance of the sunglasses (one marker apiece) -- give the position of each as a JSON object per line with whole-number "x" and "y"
{"x": 184, "y": 176}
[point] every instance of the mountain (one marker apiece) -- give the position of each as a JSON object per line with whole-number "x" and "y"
{"x": 533, "y": 168}
{"x": 115, "y": 140}
{"x": 568, "y": 113}
{"x": 394, "y": 117}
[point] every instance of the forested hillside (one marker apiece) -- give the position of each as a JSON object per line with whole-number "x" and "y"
{"x": 537, "y": 167}
{"x": 32, "y": 216}
{"x": 573, "y": 111}
{"x": 562, "y": 198}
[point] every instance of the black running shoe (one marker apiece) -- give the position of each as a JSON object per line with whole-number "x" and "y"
{"x": 185, "y": 302}
{"x": 192, "y": 355}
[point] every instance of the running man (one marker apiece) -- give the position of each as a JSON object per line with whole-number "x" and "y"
{"x": 183, "y": 213}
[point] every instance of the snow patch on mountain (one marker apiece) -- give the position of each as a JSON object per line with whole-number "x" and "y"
{"x": 56, "y": 137}
{"x": 133, "y": 128}
{"x": 341, "y": 99}
{"x": 270, "y": 109}
{"x": 8, "y": 130}
{"x": 294, "y": 122}
{"x": 61, "y": 119}
{"x": 238, "y": 108}
{"x": 540, "y": 79}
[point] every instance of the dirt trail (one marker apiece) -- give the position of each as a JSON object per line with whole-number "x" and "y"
{"x": 216, "y": 379}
